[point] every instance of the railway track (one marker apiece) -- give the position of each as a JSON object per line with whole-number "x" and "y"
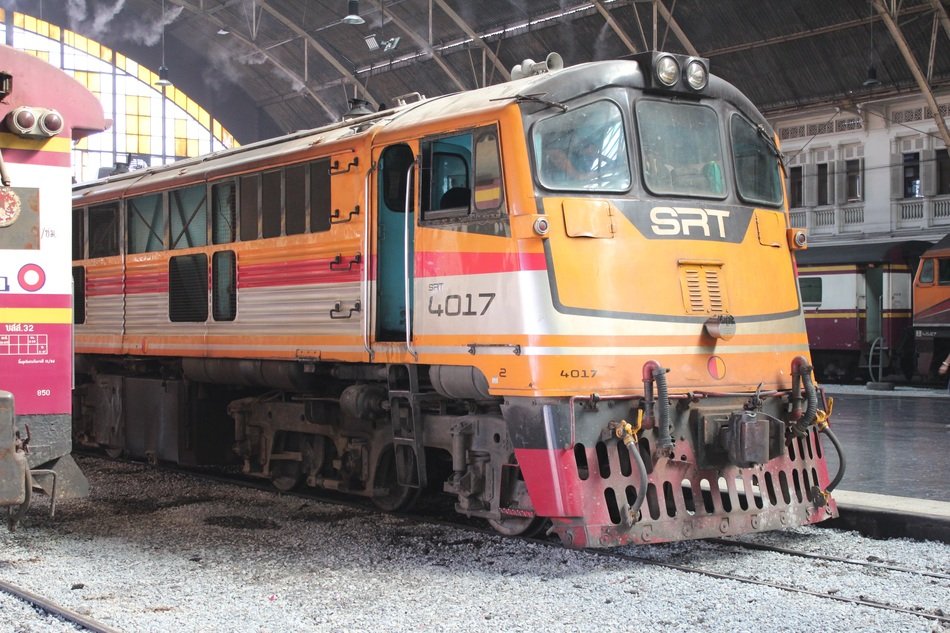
{"x": 46, "y": 605}
{"x": 724, "y": 544}
{"x": 939, "y": 617}
{"x": 699, "y": 557}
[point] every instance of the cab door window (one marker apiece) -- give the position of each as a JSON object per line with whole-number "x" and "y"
{"x": 926, "y": 272}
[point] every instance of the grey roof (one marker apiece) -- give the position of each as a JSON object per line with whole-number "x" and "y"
{"x": 868, "y": 253}
{"x": 292, "y": 64}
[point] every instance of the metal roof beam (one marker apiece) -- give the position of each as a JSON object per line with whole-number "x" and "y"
{"x": 317, "y": 46}
{"x": 292, "y": 75}
{"x": 455, "y": 17}
{"x": 831, "y": 28}
{"x": 941, "y": 15}
{"x": 911, "y": 62}
{"x": 616, "y": 27}
{"x": 424, "y": 44}
{"x": 680, "y": 34}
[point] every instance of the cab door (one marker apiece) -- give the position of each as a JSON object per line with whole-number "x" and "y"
{"x": 395, "y": 232}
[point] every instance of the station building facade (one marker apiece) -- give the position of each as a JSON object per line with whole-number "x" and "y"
{"x": 877, "y": 171}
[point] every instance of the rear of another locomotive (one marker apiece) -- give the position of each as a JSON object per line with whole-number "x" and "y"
{"x": 671, "y": 393}
{"x": 42, "y": 110}
{"x": 931, "y": 301}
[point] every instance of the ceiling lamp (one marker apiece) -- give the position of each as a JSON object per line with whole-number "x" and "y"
{"x": 353, "y": 13}
{"x": 871, "y": 81}
{"x": 163, "y": 79}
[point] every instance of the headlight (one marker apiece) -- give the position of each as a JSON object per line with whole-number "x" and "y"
{"x": 667, "y": 70}
{"x": 696, "y": 75}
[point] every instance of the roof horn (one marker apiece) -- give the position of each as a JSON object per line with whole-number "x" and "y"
{"x": 529, "y": 67}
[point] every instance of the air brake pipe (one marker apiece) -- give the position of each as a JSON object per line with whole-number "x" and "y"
{"x": 642, "y": 472}
{"x": 628, "y": 435}
{"x": 801, "y": 371}
{"x": 841, "y": 462}
{"x": 652, "y": 371}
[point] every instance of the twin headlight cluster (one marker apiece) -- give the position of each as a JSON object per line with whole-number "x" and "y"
{"x": 34, "y": 122}
{"x": 670, "y": 71}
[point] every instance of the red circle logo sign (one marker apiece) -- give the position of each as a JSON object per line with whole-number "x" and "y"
{"x": 716, "y": 367}
{"x": 31, "y": 278}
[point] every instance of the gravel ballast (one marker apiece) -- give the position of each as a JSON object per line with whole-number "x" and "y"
{"x": 153, "y": 550}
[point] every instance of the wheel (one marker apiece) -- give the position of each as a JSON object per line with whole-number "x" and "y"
{"x": 528, "y": 527}
{"x": 388, "y": 494}
{"x": 285, "y": 474}
{"x": 515, "y": 496}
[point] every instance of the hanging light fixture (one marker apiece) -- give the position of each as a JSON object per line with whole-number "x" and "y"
{"x": 163, "y": 79}
{"x": 871, "y": 81}
{"x": 353, "y": 13}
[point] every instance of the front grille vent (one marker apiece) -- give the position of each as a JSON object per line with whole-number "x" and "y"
{"x": 703, "y": 290}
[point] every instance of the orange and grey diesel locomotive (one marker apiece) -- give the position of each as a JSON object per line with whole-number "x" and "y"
{"x": 42, "y": 110}
{"x": 569, "y": 297}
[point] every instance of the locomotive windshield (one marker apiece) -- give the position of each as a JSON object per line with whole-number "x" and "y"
{"x": 756, "y": 161}
{"x": 681, "y": 149}
{"x": 584, "y": 148}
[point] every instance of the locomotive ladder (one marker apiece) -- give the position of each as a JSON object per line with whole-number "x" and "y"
{"x": 405, "y": 402}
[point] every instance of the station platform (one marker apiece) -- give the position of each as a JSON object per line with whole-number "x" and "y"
{"x": 897, "y": 456}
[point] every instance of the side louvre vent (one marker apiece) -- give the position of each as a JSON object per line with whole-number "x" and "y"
{"x": 702, "y": 287}
{"x": 694, "y": 289}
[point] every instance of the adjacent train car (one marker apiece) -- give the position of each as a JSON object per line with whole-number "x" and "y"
{"x": 42, "y": 111}
{"x": 857, "y": 301}
{"x": 932, "y": 308}
{"x": 546, "y": 298}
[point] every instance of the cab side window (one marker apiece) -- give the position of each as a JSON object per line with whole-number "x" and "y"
{"x": 104, "y": 230}
{"x": 943, "y": 271}
{"x": 461, "y": 176}
{"x": 446, "y": 186}
{"x": 188, "y": 216}
{"x": 146, "y": 222}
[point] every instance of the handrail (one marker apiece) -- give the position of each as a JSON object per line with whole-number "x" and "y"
{"x": 877, "y": 343}
{"x": 405, "y": 247}
{"x": 364, "y": 274}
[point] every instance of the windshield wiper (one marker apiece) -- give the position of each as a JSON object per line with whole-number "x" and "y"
{"x": 771, "y": 143}
{"x": 773, "y": 147}
{"x": 537, "y": 98}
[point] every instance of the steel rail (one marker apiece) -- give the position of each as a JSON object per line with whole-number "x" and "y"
{"x": 761, "y": 547}
{"x": 942, "y": 619}
{"x": 55, "y": 609}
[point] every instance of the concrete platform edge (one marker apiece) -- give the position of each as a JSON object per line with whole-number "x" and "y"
{"x": 883, "y": 516}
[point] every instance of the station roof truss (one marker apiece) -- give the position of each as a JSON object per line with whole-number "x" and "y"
{"x": 300, "y": 63}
